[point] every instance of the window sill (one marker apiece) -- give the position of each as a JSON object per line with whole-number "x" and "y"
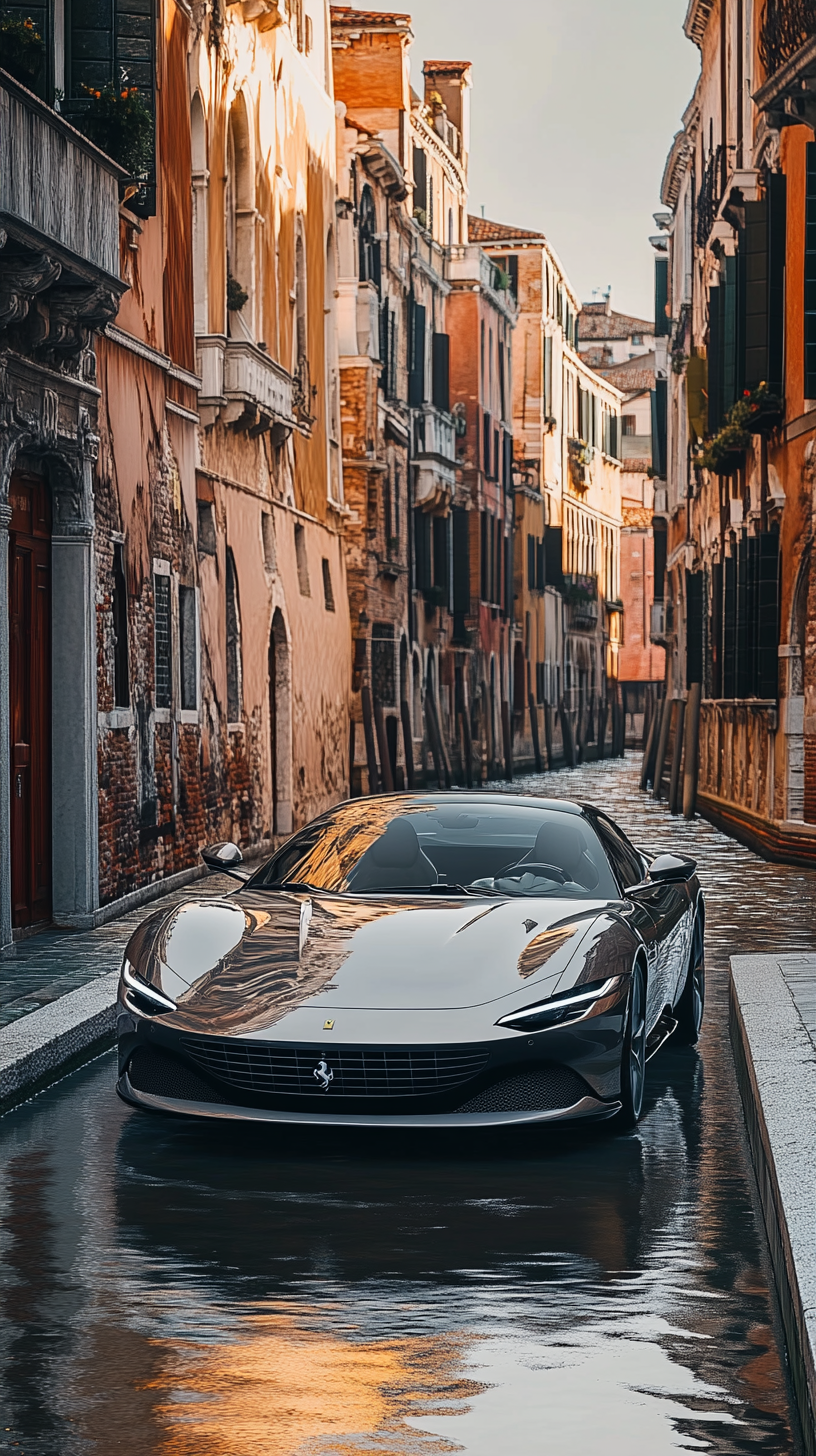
{"x": 116, "y": 718}
{"x": 189, "y": 715}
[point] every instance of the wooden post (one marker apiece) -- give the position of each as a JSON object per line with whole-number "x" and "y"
{"x": 368, "y": 734}
{"x": 603, "y": 714}
{"x": 677, "y": 759}
{"x": 662, "y": 743}
{"x": 649, "y": 750}
{"x": 508, "y": 742}
{"x": 548, "y": 734}
{"x": 534, "y": 732}
{"x": 407, "y": 743}
{"x": 692, "y": 750}
{"x": 566, "y": 735}
{"x": 468, "y": 746}
{"x": 436, "y": 742}
{"x": 382, "y": 745}
{"x": 352, "y": 750}
{"x": 580, "y": 727}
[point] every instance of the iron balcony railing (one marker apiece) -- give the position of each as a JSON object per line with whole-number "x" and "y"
{"x": 786, "y": 26}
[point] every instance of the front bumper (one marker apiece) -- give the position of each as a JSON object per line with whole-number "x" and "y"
{"x": 587, "y": 1108}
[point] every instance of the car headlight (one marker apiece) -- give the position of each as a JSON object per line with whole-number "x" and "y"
{"x": 141, "y": 990}
{"x": 566, "y": 1006}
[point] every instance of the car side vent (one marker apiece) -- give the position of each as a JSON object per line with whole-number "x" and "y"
{"x": 153, "y": 1071}
{"x": 545, "y": 1089}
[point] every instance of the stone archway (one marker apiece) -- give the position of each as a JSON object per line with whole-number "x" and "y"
{"x": 280, "y": 725}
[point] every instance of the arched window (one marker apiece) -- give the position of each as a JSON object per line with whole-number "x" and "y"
{"x": 369, "y": 246}
{"x": 200, "y": 180}
{"x": 234, "y": 664}
{"x": 240, "y": 221}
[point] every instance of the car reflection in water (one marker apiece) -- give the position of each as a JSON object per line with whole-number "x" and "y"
{"x": 326, "y": 1291}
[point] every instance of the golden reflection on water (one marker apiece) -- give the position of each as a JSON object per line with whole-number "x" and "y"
{"x": 282, "y": 1388}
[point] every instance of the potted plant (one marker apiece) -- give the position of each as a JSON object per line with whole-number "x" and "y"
{"x": 120, "y": 122}
{"x": 22, "y": 49}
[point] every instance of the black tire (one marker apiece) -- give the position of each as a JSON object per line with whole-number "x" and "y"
{"x": 691, "y": 1006}
{"x": 633, "y": 1054}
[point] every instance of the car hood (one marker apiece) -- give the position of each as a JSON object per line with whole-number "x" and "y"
{"x": 242, "y": 964}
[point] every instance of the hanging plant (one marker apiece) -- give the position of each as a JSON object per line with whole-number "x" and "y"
{"x": 120, "y": 122}
{"x": 758, "y": 408}
{"x": 236, "y": 295}
{"x": 22, "y": 48}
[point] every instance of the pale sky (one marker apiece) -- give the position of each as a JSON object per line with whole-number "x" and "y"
{"x": 574, "y": 107}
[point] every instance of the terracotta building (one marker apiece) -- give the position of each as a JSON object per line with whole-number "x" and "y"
{"x": 566, "y": 493}
{"x": 171, "y": 481}
{"x": 621, "y": 348}
{"x": 734, "y": 279}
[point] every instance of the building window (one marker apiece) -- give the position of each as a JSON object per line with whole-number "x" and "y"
{"x": 637, "y": 339}
{"x": 161, "y": 640}
{"x": 234, "y": 662}
{"x": 328, "y": 590}
{"x": 188, "y": 645}
{"x": 268, "y": 538}
{"x": 383, "y": 664}
{"x": 629, "y": 424}
{"x": 369, "y": 244}
{"x": 302, "y": 561}
{"x": 207, "y": 541}
{"x": 121, "y": 674}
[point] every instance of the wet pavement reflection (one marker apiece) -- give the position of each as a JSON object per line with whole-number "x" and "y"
{"x": 197, "y": 1291}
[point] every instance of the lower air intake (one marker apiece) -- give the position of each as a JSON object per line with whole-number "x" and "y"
{"x": 162, "y": 1076}
{"x": 546, "y": 1089}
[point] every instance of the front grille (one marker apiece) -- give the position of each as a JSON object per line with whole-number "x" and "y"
{"x": 252, "y": 1066}
{"x": 542, "y": 1089}
{"x": 153, "y": 1071}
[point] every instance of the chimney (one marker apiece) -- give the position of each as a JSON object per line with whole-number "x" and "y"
{"x": 451, "y": 80}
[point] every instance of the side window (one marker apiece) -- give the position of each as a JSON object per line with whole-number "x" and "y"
{"x": 623, "y": 856}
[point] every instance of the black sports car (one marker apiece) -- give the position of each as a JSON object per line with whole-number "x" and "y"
{"x": 419, "y": 960}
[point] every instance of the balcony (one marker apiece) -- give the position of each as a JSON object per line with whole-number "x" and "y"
{"x": 242, "y": 384}
{"x": 434, "y": 457}
{"x": 787, "y": 48}
{"x": 581, "y": 597}
{"x": 59, "y": 225}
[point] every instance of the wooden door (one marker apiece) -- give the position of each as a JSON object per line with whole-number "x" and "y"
{"x": 30, "y": 699}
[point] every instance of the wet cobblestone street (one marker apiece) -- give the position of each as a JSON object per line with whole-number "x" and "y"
{"x": 197, "y": 1291}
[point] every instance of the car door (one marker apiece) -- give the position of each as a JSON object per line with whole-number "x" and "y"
{"x": 629, "y": 868}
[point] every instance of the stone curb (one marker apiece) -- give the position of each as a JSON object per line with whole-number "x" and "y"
{"x": 776, "y": 1071}
{"x": 45, "y": 1045}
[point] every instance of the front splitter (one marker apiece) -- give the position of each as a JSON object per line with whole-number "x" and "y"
{"x": 586, "y": 1108}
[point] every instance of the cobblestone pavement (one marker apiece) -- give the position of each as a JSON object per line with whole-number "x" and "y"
{"x": 45, "y": 966}
{"x": 211, "y": 1288}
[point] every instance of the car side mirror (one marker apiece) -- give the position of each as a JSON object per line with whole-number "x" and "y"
{"x": 224, "y": 859}
{"x": 669, "y": 868}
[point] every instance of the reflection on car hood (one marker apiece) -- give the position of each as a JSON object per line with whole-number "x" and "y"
{"x": 242, "y": 964}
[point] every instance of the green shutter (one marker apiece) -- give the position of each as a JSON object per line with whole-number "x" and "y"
{"x": 714, "y": 360}
{"x": 422, "y": 550}
{"x": 461, "y": 560}
{"x": 768, "y": 616}
{"x": 754, "y": 250}
{"x": 729, "y": 627}
{"x": 661, "y": 296}
{"x": 694, "y": 627}
{"x": 416, "y": 380}
{"x": 728, "y": 297}
{"x": 777, "y": 252}
{"x": 441, "y": 371}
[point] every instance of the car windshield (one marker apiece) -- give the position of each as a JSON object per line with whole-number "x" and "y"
{"x": 427, "y": 846}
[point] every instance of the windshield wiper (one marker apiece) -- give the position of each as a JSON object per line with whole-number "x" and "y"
{"x": 294, "y": 885}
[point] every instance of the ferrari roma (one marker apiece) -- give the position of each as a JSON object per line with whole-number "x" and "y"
{"x": 419, "y": 961}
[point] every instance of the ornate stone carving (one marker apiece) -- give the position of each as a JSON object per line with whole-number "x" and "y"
{"x": 20, "y": 281}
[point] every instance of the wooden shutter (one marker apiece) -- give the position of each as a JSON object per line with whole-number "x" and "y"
{"x": 714, "y": 361}
{"x": 487, "y": 437}
{"x": 694, "y": 627}
{"x": 89, "y": 25}
{"x": 441, "y": 558}
{"x": 659, "y": 408}
{"x": 441, "y": 372}
{"x": 422, "y": 550}
{"x": 661, "y": 296}
{"x": 729, "y": 627}
{"x": 461, "y": 560}
{"x": 742, "y": 627}
{"x": 754, "y": 254}
{"x": 768, "y": 615}
{"x": 540, "y": 580}
{"x": 728, "y": 298}
{"x": 714, "y": 682}
{"x": 420, "y": 180}
{"x": 810, "y": 273}
{"x": 508, "y": 576}
{"x": 483, "y": 562}
{"x": 512, "y": 269}
{"x": 548, "y": 375}
{"x": 777, "y": 250}
{"x": 531, "y": 562}
{"x": 554, "y": 556}
{"x": 416, "y": 380}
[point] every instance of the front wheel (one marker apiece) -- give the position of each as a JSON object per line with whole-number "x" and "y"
{"x": 690, "y": 1007}
{"x": 633, "y": 1054}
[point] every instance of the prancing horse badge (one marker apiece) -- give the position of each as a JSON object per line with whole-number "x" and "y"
{"x": 324, "y": 1075}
